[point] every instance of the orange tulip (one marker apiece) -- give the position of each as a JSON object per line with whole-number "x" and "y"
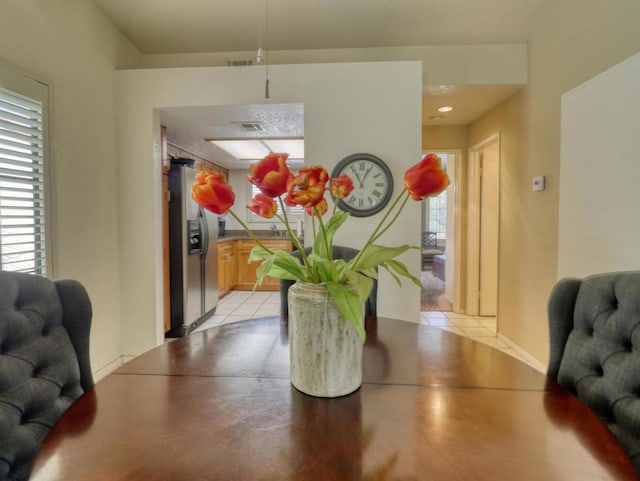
{"x": 426, "y": 178}
{"x": 210, "y": 191}
{"x": 308, "y": 187}
{"x": 341, "y": 186}
{"x": 271, "y": 175}
{"x": 264, "y": 206}
{"x": 322, "y": 207}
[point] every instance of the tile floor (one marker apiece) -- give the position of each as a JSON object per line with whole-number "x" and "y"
{"x": 242, "y": 305}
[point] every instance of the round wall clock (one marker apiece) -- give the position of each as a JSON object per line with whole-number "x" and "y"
{"x": 372, "y": 184}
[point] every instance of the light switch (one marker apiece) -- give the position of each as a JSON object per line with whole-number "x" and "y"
{"x": 538, "y": 183}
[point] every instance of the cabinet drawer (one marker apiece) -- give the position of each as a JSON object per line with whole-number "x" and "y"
{"x": 283, "y": 244}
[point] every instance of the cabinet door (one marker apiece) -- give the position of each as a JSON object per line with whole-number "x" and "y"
{"x": 226, "y": 266}
{"x": 230, "y": 266}
{"x": 246, "y": 273}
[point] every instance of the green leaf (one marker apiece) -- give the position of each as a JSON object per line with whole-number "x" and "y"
{"x": 325, "y": 249}
{"x": 286, "y": 266}
{"x": 263, "y": 270}
{"x": 278, "y": 263}
{"x": 401, "y": 269}
{"x": 361, "y": 284}
{"x": 369, "y": 272}
{"x": 349, "y": 304}
{"x": 258, "y": 253}
{"x": 374, "y": 255}
{"x": 390, "y": 271}
{"x": 329, "y": 271}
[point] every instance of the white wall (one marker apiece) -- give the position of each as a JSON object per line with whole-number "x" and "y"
{"x": 73, "y": 48}
{"x": 599, "y": 217}
{"x": 363, "y": 107}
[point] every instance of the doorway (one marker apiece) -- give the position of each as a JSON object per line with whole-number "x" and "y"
{"x": 440, "y": 244}
{"x": 483, "y": 222}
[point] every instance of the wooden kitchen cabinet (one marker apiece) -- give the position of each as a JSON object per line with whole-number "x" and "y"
{"x": 246, "y": 273}
{"x": 226, "y": 267}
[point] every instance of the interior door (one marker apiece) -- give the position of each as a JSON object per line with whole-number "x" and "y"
{"x": 489, "y": 190}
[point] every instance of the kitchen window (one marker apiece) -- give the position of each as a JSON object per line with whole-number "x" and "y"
{"x": 293, "y": 212}
{"x": 23, "y": 235}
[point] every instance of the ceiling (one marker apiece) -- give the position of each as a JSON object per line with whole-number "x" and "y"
{"x": 195, "y": 26}
{"x": 189, "y": 26}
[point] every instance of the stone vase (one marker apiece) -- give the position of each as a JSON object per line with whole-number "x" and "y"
{"x": 325, "y": 348}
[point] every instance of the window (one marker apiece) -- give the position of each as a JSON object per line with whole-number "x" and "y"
{"x": 438, "y": 215}
{"x": 435, "y": 210}
{"x": 292, "y": 212}
{"x": 22, "y": 183}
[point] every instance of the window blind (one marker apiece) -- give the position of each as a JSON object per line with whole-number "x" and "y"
{"x": 438, "y": 215}
{"x": 293, "y": 211}
{"x": 22, "y": 196}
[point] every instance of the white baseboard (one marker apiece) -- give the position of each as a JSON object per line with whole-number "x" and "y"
{"x": 529, "y": 359}
{"x": 108, "y": 369}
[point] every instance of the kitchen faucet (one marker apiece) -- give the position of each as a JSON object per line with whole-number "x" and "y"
{"x": 274, "y": 230}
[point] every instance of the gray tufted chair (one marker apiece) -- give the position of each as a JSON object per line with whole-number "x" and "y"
{"x": 594, "y": 327}
{"x": 44, "y": 362}
{"x": 339, "y": 252}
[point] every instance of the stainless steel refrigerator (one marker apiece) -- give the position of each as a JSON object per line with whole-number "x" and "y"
{"x": 193, "y": 247}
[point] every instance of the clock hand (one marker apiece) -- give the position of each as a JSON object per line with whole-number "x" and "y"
{"x": 358, "y": 177}
{"x": 365, "y": 176}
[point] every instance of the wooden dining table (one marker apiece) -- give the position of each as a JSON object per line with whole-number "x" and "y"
{"x": 218, "y": 405}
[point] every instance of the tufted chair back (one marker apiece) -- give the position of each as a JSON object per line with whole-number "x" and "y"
{"x": 594, "y": 330}
{"x": 44, "y": 362}
{"x": 339, "y": 252}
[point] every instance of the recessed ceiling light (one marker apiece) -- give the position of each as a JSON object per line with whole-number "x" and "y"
{"x": 445, "y": 108}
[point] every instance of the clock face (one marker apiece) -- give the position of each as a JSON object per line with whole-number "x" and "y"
{"x": 372, "y": 184}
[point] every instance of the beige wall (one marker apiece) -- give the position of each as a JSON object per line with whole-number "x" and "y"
{"x": 73, "y": 48}
{"x": 445, "y": 138}
{"x": 583, "y": 38}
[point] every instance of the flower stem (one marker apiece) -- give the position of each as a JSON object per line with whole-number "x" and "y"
{"x": 251, "y": 234}
{"x": 376, "y": 232}
{"x": 324, "y": 233}
{"x": 391, "y": 222}
{"x": 293, "y": 238}
{"x": 313, "y": 227}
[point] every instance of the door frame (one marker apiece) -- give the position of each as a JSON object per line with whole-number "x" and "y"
{"x": 474, "y": 159}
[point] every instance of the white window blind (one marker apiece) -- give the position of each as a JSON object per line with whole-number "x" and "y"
{"x": 22, "y": 196}
{"x": 294, "y": 211}
{"x": 438, "y": 215}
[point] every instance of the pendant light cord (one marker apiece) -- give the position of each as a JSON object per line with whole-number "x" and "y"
{"x": 266, "y": 48}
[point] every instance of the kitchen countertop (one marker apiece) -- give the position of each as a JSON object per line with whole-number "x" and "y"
{"x": 260, "y": 234}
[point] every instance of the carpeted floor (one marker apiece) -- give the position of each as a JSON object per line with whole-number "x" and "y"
{"x": 432, "y": 295}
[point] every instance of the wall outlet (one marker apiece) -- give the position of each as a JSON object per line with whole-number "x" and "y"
{"x": 538, "y": 183}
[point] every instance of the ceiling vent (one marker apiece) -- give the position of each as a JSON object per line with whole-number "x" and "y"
{"x": 252, "y": 126}
{"x": 241, "y": 62}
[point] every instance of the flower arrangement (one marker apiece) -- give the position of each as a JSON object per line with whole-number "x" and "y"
{"x": 349, "y": 283}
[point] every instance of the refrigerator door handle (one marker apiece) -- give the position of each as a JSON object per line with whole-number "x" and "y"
{"x": 204, "y": 229}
